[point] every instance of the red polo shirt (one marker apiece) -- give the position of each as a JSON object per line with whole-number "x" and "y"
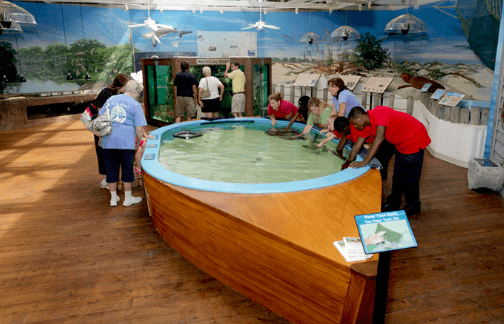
{"x": 404, "y": 131}
{"x": 285, "y": 108}
{"x": 355, "y": 134}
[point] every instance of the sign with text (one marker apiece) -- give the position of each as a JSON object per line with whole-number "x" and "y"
{"x": 437, "y": 94}
{"x": 350, "y": 81}
{"x": 307, "y": 80}
{"x": 212, "y": 61}
{"x": 451, "y": 99}
{"x": 377, "y": 84}
{"x": 385, "y": 231}
{"x": 426, "y": 87}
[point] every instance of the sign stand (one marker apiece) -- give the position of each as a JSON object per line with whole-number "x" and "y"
{"x": 382, "y": 280}
{"x": 376, "y": 85}
{"x": 382, "y": 233}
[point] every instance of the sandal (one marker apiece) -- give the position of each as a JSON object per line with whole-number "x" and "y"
{"x": 138, "y": 171}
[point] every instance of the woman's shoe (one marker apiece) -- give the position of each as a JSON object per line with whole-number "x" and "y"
{"x": 104, "y": 184}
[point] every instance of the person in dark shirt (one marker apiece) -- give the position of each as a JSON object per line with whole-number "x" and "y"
{"x": 185, "y": 88}
{"x": 116, "y": 87}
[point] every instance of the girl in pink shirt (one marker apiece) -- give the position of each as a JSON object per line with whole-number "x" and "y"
{"x": 279, "y": 108}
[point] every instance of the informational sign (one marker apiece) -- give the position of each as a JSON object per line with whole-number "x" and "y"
{"x": 426, "y": 87}
{"x": 307, "y": 80}
{"x": 227, "y": 44}
{"x": 212, "y": 61}
{"x": 350, "y": 81}
{"x": 377, "y": 85}
{"x": 451, "y": 99}
{"x": 437, "y": 94}
{"x": 385, "y": 231}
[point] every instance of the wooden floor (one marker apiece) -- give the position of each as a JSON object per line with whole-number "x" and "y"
{"x": 67, "y": 257}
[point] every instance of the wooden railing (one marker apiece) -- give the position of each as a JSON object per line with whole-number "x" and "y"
{"x": 473, "y": 115}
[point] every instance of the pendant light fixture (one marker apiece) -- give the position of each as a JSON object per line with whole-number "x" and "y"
{"x": 11, "y": 13}
{"x": 310, "y": 37}
{"x": 406, "y": 24}
{"x": 345, "y": 32}
{"x": 12, "y": 29}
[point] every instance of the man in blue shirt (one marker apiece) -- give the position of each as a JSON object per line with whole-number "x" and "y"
{"x": 128, "y": 120}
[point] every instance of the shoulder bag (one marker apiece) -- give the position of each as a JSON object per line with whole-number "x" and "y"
{"x": 206, "y": 93}
{"x": 101, "y": 125}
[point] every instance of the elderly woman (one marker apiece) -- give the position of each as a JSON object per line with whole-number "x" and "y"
{"x": 319, "y": 115}
{"x": 116, "y": 87}
{"x": 210, "y": 105}
{"x": 119, "y": 147}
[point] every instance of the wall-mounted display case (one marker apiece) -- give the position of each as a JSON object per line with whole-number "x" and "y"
{"x": 158, "y": 75}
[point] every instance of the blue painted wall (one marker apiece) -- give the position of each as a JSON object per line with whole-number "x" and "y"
{"x": 97, "y": 39}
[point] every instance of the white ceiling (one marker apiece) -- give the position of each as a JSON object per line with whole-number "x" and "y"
{"x": 250, "y": 5}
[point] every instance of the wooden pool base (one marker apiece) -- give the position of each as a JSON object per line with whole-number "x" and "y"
{"x": 276, "y": 249}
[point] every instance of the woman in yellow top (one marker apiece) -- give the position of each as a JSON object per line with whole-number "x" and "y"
{"x": 319, "y": 115}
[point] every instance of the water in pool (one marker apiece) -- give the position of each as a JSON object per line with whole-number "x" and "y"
{"x": 244, "y": 154}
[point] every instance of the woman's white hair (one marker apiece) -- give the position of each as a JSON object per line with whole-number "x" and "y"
{"x": 133, "y": 87}
{"x": 206, "y": 71}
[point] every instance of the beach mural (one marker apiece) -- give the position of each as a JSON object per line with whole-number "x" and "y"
{"x": 76, "y": 47}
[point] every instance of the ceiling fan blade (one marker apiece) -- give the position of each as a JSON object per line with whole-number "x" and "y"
{"x": 157, "y": 39}
{"x": 248, "y": 27}
{"x": 138, "y": 25}
{"x": 272, "y": 27}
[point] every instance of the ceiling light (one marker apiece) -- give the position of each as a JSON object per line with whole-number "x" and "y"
{"x": 221, "y": 11}
{"x": 265, "y": 11}
{"x": 126, "y": 7}
{"x": 14, "y": 13}
{"x": 310, "y": 37}
{"x": 369, "y": 4}
{"x": 330, "y": 11}
{"x": 360, "y": 7}
{"x": 161, "y": 10}
{"x": 406, "y": 24}
{"x": 201, "y": 11}
{"x": 297, "y": 11}
{"x": 345, "y": 33}
{"x": 12, "y": 29}
{"x": 194, "y": 11}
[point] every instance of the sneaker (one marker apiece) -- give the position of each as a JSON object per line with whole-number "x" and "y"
{"x": 104, "y": 185}
{"x": 113, "y": 202}
{"x": 132, "y": 201}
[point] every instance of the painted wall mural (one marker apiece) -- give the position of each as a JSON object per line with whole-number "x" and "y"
{"x": 90, "y": 45}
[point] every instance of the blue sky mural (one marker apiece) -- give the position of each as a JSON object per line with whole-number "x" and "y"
{"x": 67, "y": 24}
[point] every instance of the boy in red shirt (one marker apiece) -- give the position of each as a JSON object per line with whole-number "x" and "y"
{"x": 410, "y": 139}
{"x": 347, "y": 132}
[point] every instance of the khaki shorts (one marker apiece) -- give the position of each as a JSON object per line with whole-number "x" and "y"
{"x": 238, "y": 103}
{"x": 185, "y": 105}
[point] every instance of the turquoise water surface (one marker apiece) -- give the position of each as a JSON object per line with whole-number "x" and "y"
{"x": 247, "y": 154}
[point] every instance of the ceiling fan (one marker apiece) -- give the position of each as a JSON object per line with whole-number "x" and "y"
{"x": 151, "y": 23}
{"x": 260, "y": 25}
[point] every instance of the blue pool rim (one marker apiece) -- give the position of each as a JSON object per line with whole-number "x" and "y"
{"x": 152, "y": 166}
